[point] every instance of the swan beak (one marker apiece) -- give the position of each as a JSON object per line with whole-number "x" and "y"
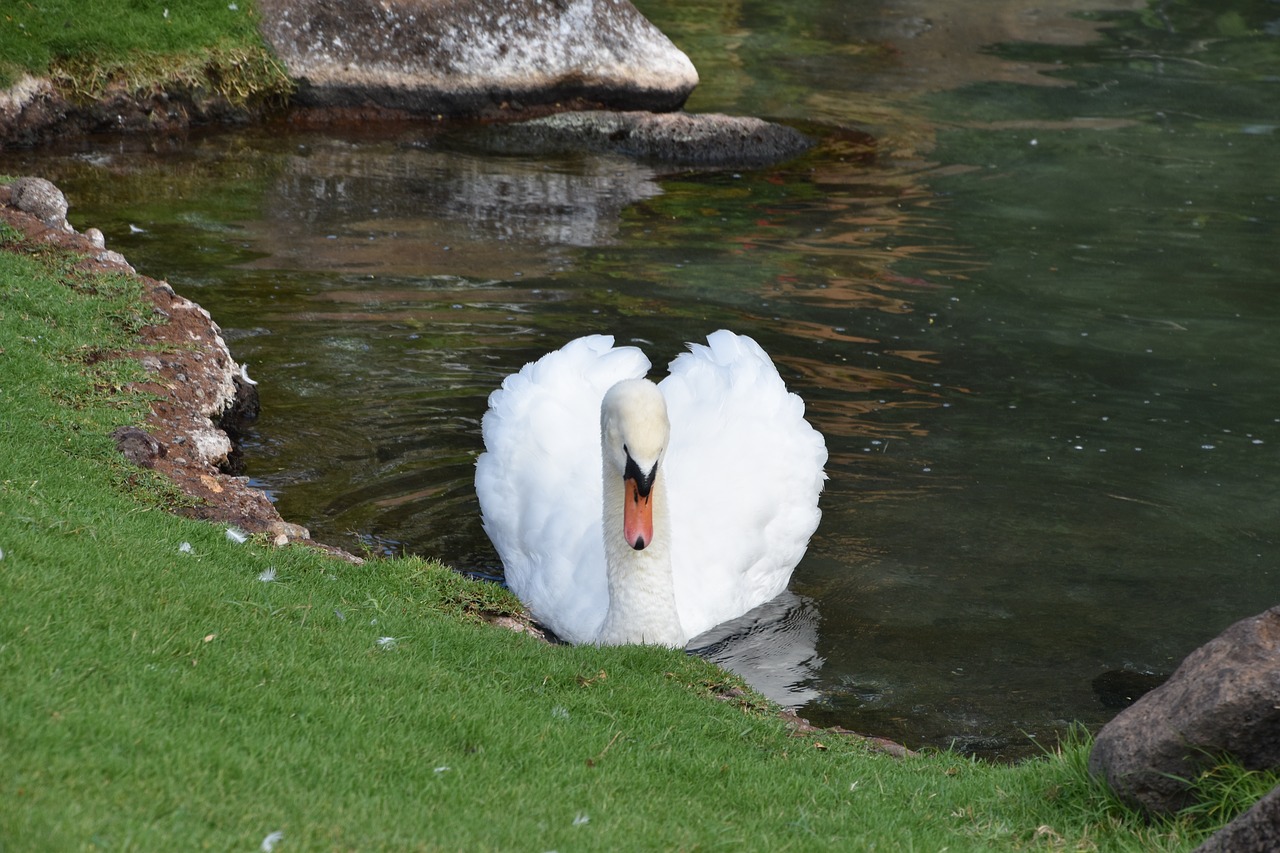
{"x": 637, "y": 515}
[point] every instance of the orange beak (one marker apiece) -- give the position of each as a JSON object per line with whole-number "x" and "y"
{"x": 637, "y": 516}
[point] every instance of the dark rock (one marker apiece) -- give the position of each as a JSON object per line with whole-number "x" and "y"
{"x": 475, "y": 57}
{"x": 26, "y": 107}
{"x": 674, "y": 138}
{"x": 1222, "y": 701}
{"x": 236, "y": 418}
{"x": 244, "y": 408}
{"x": 1255, "y": 831}
{"x": 138, "y": 446}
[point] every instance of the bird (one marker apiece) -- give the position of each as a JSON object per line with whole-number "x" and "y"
{"x": 631, "y": 512}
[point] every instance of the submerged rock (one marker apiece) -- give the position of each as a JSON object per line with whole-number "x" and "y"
{"x": 674, "y": 138}
{"x": 1120, "y": 688}
{"x": 1220, "y": 702}
{"x": 475, "y": 57}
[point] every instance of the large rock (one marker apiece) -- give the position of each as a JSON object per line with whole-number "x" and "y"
{"x": 1255, "y": 831}
{"x": 1223, "y": 700}
{"x": 475, "y": 57}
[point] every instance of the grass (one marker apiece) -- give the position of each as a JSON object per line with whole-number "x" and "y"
{"x": 163, "y": 687}
{"x": 139, "y": 45}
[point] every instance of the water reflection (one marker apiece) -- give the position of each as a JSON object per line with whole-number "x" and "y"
{"x": 774, "y": 647}
{"x": 330, "y": 209}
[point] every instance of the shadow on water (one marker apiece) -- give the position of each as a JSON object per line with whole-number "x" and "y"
{"x": 1034, "y": 319}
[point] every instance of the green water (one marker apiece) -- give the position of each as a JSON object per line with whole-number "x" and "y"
{"x": 1035, "y": 319}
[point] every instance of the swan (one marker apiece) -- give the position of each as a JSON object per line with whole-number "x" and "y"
{"x": 626, "y": 511}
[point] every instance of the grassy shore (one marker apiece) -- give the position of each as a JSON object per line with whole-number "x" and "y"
{"x": 166, "y": 687}
{"x": 89, "y": 48}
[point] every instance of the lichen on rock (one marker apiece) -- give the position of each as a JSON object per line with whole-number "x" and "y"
{"x": 472, "y": 57}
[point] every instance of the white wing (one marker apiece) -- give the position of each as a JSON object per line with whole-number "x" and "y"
{"x": 539, "y": 480}
{"x": 744, "y": 471}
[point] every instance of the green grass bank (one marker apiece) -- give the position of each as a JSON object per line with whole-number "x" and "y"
{"x": 131, "y": 46}
{"x": 165, "y": 687}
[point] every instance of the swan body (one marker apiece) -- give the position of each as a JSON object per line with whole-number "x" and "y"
{"x": 629, "y": 512}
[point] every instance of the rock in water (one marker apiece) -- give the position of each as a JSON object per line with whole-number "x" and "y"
{"x": 1222, "y": 700}
{"x": 473, "y": 57}
{"x": 675, "y": 138}
{"x": 1120, "y": 688}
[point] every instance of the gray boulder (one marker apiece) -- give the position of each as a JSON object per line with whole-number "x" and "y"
{"x": 1255, "y": 831}
{"x": 475, "y": 57}
{"x": 1224, "y": 699}
{"x": 42, "y": 200}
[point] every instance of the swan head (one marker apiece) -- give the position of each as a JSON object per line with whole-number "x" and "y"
{"x": 634, "y": 433}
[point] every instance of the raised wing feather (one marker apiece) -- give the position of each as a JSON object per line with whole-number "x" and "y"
{"x": 744, "y": 471}
{"x": 539, "y": 480}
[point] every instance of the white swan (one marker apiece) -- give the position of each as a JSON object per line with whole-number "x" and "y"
{"x": 708, "y": 497}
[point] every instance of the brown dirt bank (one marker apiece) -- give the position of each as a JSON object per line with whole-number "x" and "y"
{"x": 199, "y": 394}
{"x": 35, "y": 111}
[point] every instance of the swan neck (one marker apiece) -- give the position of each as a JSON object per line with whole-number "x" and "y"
{"x": 642, "y": 606}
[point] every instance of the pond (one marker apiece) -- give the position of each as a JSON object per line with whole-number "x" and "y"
{"x": 1026, "y": 283}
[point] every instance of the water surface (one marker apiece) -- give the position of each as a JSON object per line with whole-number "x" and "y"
{"x": 1034, "y": 314}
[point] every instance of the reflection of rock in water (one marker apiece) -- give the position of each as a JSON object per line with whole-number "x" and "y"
{"x": 519, "y": 199}
{"x": 359, "y": 193}
{"x": 774, "y": 647}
